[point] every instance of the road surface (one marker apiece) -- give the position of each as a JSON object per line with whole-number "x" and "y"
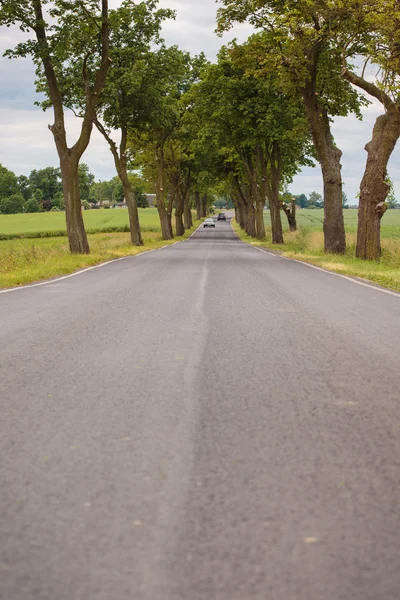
{"x": 203, "y": 422}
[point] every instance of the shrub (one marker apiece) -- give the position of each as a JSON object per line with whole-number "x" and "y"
{"x": 12, "y": 205}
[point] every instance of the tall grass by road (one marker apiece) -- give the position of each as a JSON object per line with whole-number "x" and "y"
{"x": 307, "y": 244}
{"x": 27, "y": 260}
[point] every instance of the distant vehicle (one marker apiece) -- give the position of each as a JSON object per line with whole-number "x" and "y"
{"x": 221, "y": 217}
{"x": 209, "y": 223}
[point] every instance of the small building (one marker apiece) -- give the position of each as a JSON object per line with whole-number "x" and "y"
{"x": 151, "y": 199}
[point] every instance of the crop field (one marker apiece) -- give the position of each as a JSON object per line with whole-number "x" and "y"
{"x": 95, "y": 221}
{"x": 313, "y": 219}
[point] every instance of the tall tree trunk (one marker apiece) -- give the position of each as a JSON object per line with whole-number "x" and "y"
{"x": 198, "y": 205}
{"x": 165, "y": 217}
{"x": 179, "y": 201}
{"x": 134, "y": 225}
{"x": 251, "y": 220}
{"x": 78, "y": 242}
{"x": 187, "y": 213}
{"x": 259, "y": 218}
{"x": 242, "y": 216}
{"x": 276, "y": 223}
{"x": 273, "y": 185}
{"x": 329, "y": 158}
{"x": 203, "y": 204}
{"x": 374, "y": 189}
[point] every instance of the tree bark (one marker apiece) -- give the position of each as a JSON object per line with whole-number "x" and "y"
{"x": 273, "y": 184}
{"x": 198, "y": 205}
{"x": 187, "y": 213}
{"x": 251, "y": 220}
{"x": 179, "y": 201}
{"x": 328, "y": 156}
{"x": 259, "y": 219}
{"x": 290, "y": 212}
{"x": 78, "y": 242}
{"x": 164, "y": 215}
{"x": 203, "y": 205}
{"x": 70, "y": 157}
{"x": 373, "y": 188}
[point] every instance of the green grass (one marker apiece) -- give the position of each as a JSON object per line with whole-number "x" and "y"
{"x": 307, "y": 244}
{"x": 40, "y": 224}
{"x": 25, "y": 261}
{"x": 313, "y": 219}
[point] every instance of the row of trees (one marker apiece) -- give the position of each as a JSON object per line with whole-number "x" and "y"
{"x": 42, "y": 190}
{"x": 241, "y": 127}
{"x": 313, "y": 47}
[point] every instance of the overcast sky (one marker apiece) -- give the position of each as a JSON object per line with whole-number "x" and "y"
{"x": 27, "y": 144}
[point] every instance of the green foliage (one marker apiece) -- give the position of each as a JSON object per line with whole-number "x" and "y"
{"x": 8, "y": 183}
{"x": 86, "y": 180}
{"x": 302, "y": 201}
{"x": 12, "y": 204}
{"x": 315, "y": 200}
{"x": 31, "y": 206}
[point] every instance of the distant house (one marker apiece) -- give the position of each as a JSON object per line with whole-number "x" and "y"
{"x": 151, "y": 199}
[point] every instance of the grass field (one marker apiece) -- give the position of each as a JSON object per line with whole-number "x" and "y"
{"x": 313, "y": 219}
{"x": 307, "y": 244}
{"x": 103, "y": 219}
{"x": 27, "y": 260}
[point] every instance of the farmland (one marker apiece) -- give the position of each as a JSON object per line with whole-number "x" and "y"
{"x": 95, "y": 220}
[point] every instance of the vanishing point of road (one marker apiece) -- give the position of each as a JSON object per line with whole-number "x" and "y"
{"x": 203, "y": 422}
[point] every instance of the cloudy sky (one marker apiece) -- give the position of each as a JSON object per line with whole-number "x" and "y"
{"x": 27, "y": 144}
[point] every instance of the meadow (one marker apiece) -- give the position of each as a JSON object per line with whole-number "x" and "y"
{"x": 53, "y": 223}
{"x": 313, "y": 219}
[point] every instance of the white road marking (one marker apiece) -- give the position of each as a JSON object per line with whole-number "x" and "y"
{"x": 76, "y": 273}
{"x": 306, "y": 264}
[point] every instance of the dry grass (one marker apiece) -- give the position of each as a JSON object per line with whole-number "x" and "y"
{"x": 308, "y": 246}
{"x": 27, "y": 260}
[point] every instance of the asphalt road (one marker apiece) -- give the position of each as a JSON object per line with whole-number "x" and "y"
{"x": 203, "y": 422}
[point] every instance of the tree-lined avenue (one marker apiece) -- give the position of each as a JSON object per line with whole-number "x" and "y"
{"x": 206, "y": 421}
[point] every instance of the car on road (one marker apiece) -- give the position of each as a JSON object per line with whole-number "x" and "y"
{"x": 209, "y": 223}
{"x": 221, "y": 217}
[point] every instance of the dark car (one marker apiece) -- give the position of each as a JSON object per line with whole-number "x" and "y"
{"x": 221, "y": 217}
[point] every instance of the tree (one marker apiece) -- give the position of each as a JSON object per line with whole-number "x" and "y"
{"x": 391, "y": 198}
{"x": 315, "y": 200}
{"x": 69, "y": 35}
{"x": 24, "y": 187}
{"x": 31, "y": 206}
{"x": 12, "y": 205}
{"x": 135, "y": 34}
{"x": 296, "y": 45}
{"x": 373, "y": 31}
{"x": 345, "y": 200}
{"x": 45, "y": 184}
{"x": 258, "y": 132}
{"x": 86, "y": 180}
{"x": 8, "y": 182}
{"x": 302, "y": 201}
